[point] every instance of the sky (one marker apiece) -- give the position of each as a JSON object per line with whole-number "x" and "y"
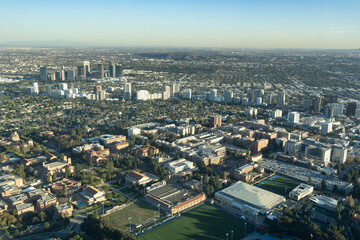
{"x": 329, "y": 24}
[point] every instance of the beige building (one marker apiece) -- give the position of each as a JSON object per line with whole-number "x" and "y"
{"x": 64, "y": 210}
{"x": 24, "y": 208}
{"x": 92, "y": 195}
{"x": 58, "y": 167}
{"x": 46, "y": 201}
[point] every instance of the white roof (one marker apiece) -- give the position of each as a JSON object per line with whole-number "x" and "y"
{"x": 252, "y": 195}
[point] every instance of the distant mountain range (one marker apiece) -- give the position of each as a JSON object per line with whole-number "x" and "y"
{"x": 52, "y": 43}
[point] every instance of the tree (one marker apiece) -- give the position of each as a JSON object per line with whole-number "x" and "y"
{"x": 54, "y": 177}
{"x": 323, "y": 184}
{"x": 309, "y": 181}
{"x": 64, "y": 191}
{"x": 46, "y": 225}
{"x": 67, "y": 173}
{"x": 48, "y": 178}
{"x": 42, "y": 216}
{"x": 2, "y": 157}
{"x": 350, "y": 201}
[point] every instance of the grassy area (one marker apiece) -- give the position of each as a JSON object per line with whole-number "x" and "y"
{"x": 205, "y": 222}
{"x": 279, "y": 184}
{"x": 139, "y": 211}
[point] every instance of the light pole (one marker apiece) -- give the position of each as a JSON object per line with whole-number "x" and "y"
{"x": 158, "y": 210}
{"x": 285, "y": 191}
{"x": 232, "y": 235}
{"x": 155, "y": 218}
{"x": 227, "y": 235}
{"x": 130, "y": 222}
{"x": 245, "y": 229}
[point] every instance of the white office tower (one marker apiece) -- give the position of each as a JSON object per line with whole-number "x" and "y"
{"x": 292, "y": 147}
{"x": 63, "y": 86}
{"x": 213, "y": 94}
{"x": 187, "y": 93}
{"x": 175, "y": 89}
{"x": 258, "y": 101}
{"x": 249, "y": 112}
{"x": 165, "y": 95}
{"x": 87, "y": 67}
{"x": 134, "y": 131}
{"x": 142, "y": 95}
{"x": 167, "y": 89}
{"x": 228, "y": 95}
{"x": 357, "y": 113}
{"x": 276, "y": 113}
{"x": 268, "y": 98}
{"x": 71, "y": 75}
{"x": 49, "y": 89}
{"x": 35, "y": 85}
{"x": 154, "y": 96}
{"x": 34, "y": 89}
{"x": 293, "y": 117}
{"x": 281, "y": 99}
{"x": 326, "y": 127}
{"x": 101, "y": 95}
{"x": 338, "y": 154}
{"x": 127, "y": 91}
{"x": 62, "y": 75}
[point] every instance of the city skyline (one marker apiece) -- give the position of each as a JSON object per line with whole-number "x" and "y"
{"x": 230, "y": 24}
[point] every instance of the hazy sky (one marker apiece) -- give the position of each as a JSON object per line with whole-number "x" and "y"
{"x": 185, "y": 23}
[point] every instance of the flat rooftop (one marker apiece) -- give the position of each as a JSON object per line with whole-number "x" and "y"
{"x": 172, "y": 194}
{"x": 253, "y": 195}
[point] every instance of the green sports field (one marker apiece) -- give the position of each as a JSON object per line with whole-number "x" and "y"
{"x": 205, "y": 222}
{"x": 140, "y": 212}
{"x": 279, "y": 184}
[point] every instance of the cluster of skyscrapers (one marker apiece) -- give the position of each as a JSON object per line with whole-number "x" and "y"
{"x": 82, "y": 72}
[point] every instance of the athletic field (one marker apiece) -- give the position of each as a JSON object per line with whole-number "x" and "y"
{"x": 139, "y": 212}
{"x": 205, "y": 222}
{"x": 279, "y": 184}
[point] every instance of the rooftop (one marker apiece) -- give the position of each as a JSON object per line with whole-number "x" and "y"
{"x": 251, "y": 194}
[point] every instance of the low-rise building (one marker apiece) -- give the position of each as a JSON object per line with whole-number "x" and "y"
{"x": 135, "y": 177}
{"x": 17, "y": 199}
{"x": 247, "y": 198}
{"x": 301, "y": 191}
{"x": 9, "y": 190}
{"x": 146, "y": 151}
{"x": 174, "y": 199}
{"x": 179, "y": 165}
{"x": 71, "y": 186}
{"x": 117, "y": 146}
{"x": 92, "y": 195}
{"x": 108, "y": 139}
{"x": 324, "y": 202}
{"x": 3, "y": 206}
{"x": 98, "y": 156}
{"x": 24, "y": 208}
{"x": 64, "y": 210}
{"x": 58, "y": 167}
{"x": 46, "y": 201}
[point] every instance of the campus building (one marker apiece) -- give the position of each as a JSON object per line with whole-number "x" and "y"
{"x": 247, "y": 198}
{"x": 301, "y": 191}
{"x": 173, "y": 199}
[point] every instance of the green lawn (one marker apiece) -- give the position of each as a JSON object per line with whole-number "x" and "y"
{"x": 205, "y": 222}
{"x": 139, "y": 211}
{"x": 280, "y": 185}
